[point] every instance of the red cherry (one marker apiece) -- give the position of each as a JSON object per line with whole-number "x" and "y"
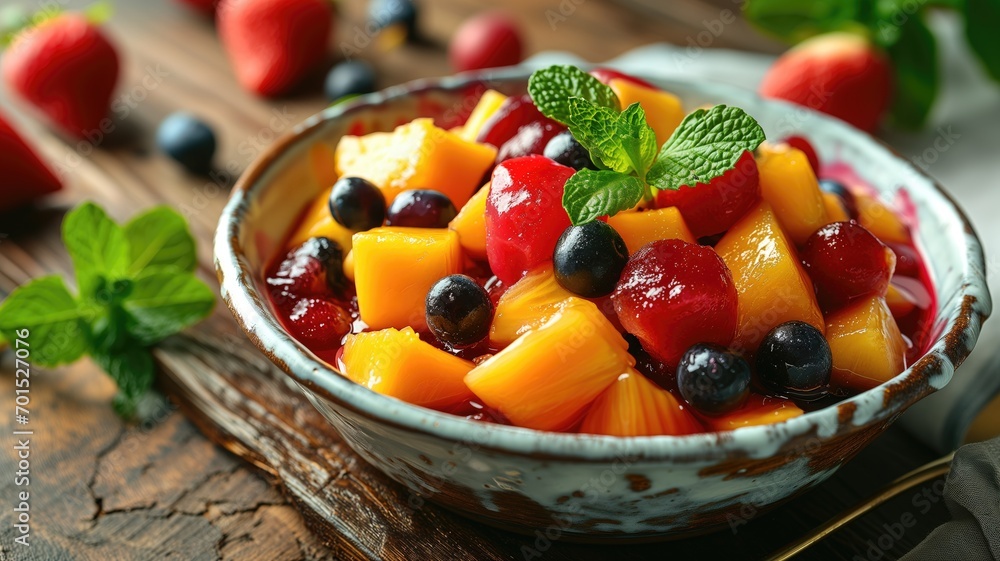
{"x": 800, "y": 143}
{"x": 674, "y": 294}
{"x": 605, "y": 75}
{"x": 529, "y": 139}
{"x": 845, "y": 262}
{"x": 524, "y": 215}
{"x": 485, "y": 41}
{"x": 513, "y": 115}
{"x": 319, "y": 323}
{"x": 712, "y": 208}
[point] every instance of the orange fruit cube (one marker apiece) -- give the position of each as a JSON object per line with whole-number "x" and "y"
{"x": 635, "y": 406}
{"x": 866, "y": 344}
{"x": 788, "y": 183}
{"x": 638, "y": 228}
{"x": 771, "y": 285}
{"x": 470, "y": 223}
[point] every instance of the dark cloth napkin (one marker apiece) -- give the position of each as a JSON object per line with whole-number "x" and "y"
{"x": 972, "y": 494}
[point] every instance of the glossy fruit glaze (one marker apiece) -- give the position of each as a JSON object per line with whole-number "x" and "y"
{"x": 676, "y": 305}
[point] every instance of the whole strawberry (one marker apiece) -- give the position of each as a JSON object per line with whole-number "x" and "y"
{"x": 841, "y": 74}
{"x": 25, "y": 177}
{"x": 272, "y": 44}
{"x": 67, "y": 69}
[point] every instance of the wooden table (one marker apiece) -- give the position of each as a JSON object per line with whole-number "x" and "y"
{"x": 103, "y": 490}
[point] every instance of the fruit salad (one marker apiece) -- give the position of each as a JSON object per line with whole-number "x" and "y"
{"x": 590, "y": 257}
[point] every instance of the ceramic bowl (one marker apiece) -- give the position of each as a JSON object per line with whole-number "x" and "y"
{"x": 585, "y": 486}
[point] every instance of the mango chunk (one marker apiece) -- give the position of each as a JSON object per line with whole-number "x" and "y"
{"x": 663, "y": 109}
{"x": 758, "y": 410}
{"x": 640, "y": 228}
{"x": 866, "y": 344}
{"x": 417, "y": 155}
{"x": 400, "y": 365}
{"x": 488, "y": 104}
{"x": 771, "y": 285}
{"x": 635, "y": 406}
{"x": 547, "y": 377}
{"x": 880, "y": 220}
{"x": 788, "y": 183}
{"x": 527, "y": 304}
{"x": 317, "y": 221}
{"x": 395, "y": 267}
{"x": 835, "y": 211}
{"x": 470, "y": 223}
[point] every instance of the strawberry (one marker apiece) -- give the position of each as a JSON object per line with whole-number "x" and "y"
{"x": 67, "y": 69}
{"x": 840, "y": 74}
{"x": 272, "y": 44}
{"x": 25, "y": 176}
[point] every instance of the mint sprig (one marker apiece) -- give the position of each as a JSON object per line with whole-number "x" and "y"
{"x": 705, "y": 145}
{"x": 136, "y": 286}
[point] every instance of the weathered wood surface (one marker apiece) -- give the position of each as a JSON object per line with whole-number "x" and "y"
{"x": 102, "y": 490}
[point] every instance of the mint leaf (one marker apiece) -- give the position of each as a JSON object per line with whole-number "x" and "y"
{"x": 159, "y": 237}
{"x": 57, "y": 323}
{"x": 96, "y": 245}
{"x": 637, "y": 139}
{"x": 915, "y": 66}
{"x": 590, "y": 194}
{"x": 623, "y": 142}
{"x": 133, "y": 371}
{"x": 793, "y": 21}
{"x": 551, "y": 89}
{"x": 165, "y": 301}
{"x": 981, "y": 17}
{"x": 705, "y": 145}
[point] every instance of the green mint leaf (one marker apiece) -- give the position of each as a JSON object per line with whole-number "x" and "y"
{"x": 97, "y": 246}
{"x": 551, "y": 89}
{"x": 793, "y": 21}
{"x": 590, "y": 194}
{"x": 133, "y": 371}
{"x": 705, "y": 145}
{"x": 159, "y": 237}
{"x": 637, "y": 139}
{"x": 164, "y": 301}
{"x": 622, "y": 142}
{"x": 917, "y": 79}
{"x": 981, "y": 17}
{"x": 57, "y": 324}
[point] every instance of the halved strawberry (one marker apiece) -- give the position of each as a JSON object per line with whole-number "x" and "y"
{"x": 67, "y": 69}
{"x": 634, "y": 406}
{"x": 25, "y": 176}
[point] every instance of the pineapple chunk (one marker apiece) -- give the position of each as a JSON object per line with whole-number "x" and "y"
{"x": 527, "y": 304}
{"x": 395, "y": 267}
{"x": 663, "y": 109}
{"x": 634, "y": 406}
{"x": 417, "y": 155}
{"x": 788, "y": 183}
{"x": 317, "y": 221}
{"x": 400, "y": 365}
{"x": 866, "y": 344}
{"x": 485, "y": 108}
{"x": 547, "y": 377}
{"x": 771, "y": 284}
{"x": 640, "y": 228}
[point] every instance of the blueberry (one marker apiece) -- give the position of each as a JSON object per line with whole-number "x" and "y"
{"x": 589, "y": 259}
{"x": 330, "y": 255}
{"x": 421, "y": 208}
{"x": 188, "y": 140}
{"x": 357, "y": 204}
{"x": 352, "y": 77}
{"x": 845, "y": 195}
{"x": 565, "y": 150}
{"x": 794, "y": 359}
{"x": 388, "y": 13}
{"x": 713, "y": 379}
{"x": 459, "y": 311}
